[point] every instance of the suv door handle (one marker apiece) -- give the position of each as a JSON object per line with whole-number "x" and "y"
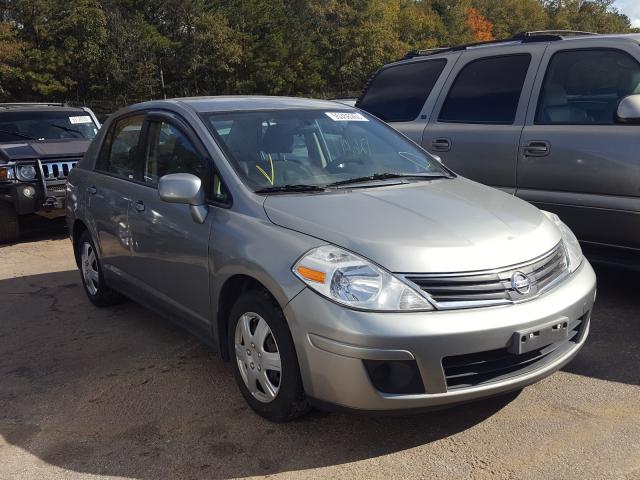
{"x": 537, "y": 148}
{"x": 441, "y": 144}
{"x": 92, "y": 190}
{"x": 139, "y": 206}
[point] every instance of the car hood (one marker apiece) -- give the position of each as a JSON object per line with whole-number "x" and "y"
{"x": 42, "y": 149}
{"x": 447, "y": 225}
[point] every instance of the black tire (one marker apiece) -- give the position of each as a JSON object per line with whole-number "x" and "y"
{"x": 9, "y": 225}
{"x": 101, "y": 295}
{"x": 290, "y": 401}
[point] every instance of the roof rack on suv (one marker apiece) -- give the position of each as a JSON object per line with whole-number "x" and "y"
{"x": 523, "y": 37}
{"x": 31, "y": 104}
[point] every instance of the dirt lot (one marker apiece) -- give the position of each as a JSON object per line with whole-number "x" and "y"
{"x": 89, "y": 393}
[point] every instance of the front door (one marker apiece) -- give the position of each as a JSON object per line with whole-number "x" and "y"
{"x": 574, "y": 159}
{"x": 170, "y": 250}
{"x": 477, "y": 121}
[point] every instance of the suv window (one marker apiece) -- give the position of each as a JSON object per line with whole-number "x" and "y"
{"x": 397, "y": 94}
{"x": 118, "y": 154}
{"x": 487, "y": 91}
{"x": 169, "y": 151}
{"x": 585, "y": 86}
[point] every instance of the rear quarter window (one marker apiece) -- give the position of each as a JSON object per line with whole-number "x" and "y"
{"x": 397, "y": 93}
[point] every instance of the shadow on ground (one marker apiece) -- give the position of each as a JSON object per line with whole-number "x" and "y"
{"x": 612, "y": 350}
{"x": 117, "y": 391}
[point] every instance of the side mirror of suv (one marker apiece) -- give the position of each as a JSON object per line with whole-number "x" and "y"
{"x": 187, "y": 189}
{"x": 629, "y": 109}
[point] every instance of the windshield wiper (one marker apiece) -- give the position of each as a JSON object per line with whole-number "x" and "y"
{"x": 18, "y": 134}
{"x": 387, "y": 176}
{"x": 290, "y": 188}
{"x": 67, "y": 129}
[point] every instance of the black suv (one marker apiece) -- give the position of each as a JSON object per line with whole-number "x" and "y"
{"x": 39, "y": 145}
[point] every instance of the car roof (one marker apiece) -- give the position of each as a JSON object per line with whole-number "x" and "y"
{"x": 583, "y": 38}
{"x": 245, "y": 102}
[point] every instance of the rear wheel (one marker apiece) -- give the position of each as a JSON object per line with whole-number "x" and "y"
{"x": 9, "y": 226}
{"x": 92, "y": 278}
{"x": 264, "y": 359}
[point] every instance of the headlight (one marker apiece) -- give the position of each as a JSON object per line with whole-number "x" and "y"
{"x": 571, "y": 245}
{"x": 348, "y": 279}
{"x": 26, "y": 172}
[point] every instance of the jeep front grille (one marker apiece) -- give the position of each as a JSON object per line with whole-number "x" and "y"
{"x": 58, "y": 169}
{"x": 494, "y": 287}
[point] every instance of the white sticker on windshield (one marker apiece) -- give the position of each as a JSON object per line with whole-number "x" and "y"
{"x": 81, "y": 119}
{"x": 346, "y": 117}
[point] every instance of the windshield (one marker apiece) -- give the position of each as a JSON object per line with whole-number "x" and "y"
{"x": 316, "y": 148}
{"x": 46, "y": 125}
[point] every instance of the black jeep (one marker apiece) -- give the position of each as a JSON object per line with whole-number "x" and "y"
{"x": 39, "y": 145}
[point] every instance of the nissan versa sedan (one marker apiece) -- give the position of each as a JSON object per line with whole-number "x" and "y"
{"x": 330, "y": 259}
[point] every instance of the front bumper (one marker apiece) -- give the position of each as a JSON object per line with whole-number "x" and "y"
{"x": 333, "y": 342}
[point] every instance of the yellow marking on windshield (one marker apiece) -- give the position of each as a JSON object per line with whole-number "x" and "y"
{"x": 271, "y": 178}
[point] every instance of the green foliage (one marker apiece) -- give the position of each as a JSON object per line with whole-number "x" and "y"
{"x": 121, "y": 51}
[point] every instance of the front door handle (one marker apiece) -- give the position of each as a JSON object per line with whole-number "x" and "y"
{"x": 441, "y": 144}
{"x": 537, "y": 148}
{"x": 92, "y": 190}
{"x": 139, "y": 206}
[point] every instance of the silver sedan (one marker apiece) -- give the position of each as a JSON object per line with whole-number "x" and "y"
{"x": 330, "y": 259}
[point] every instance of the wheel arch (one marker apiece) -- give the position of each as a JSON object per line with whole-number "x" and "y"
{"x": 230, "y": 290}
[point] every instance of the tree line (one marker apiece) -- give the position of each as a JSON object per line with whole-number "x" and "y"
{"x": 115, "y": 52}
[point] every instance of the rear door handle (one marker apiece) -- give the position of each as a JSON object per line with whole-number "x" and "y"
{"x": 441, "y": 144}
{"x": 139, "y": 206}
{"x": 537, "y": 148}
{"x": 92, "y": 190}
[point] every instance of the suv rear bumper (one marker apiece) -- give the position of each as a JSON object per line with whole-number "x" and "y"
{"x": 337, "y": 347}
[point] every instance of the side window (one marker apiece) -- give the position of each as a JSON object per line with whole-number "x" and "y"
{"x": 397, "y": 93}
{"x": 118, "y": 154}
{"x": 487, "y": 91}
{"x": 168, "y": 150}
{"x": 585, "y": 86}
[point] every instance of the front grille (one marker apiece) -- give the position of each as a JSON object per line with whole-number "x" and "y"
{"x": 58, "y": 169}
{"x": 470, "y": 370}
{"x": 496, "y": 287}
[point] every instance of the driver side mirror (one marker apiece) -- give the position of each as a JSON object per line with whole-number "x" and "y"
{"x": 187, "y": 189}
{"x": 629, "y": 110}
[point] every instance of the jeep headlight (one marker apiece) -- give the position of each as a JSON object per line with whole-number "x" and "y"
{"x": 571, "y": 245}
{"x": 26, "y": 172}
{"x": 355, "y": 282}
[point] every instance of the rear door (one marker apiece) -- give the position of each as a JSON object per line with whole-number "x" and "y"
{"x": 574, "y": 159}
{"x": 476, "y": 124}
{"x": 170, "y": 250}
{"x": 109, "y": 194}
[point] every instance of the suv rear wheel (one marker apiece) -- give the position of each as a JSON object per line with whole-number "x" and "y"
{"x": 9, "y": 226}
{"x": 264, "y": 359}
{"x": 92, "y": 278}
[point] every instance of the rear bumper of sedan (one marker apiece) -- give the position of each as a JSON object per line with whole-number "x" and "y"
{"x": 403, "y": 361}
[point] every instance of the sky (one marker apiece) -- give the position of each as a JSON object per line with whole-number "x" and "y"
{"x": 631, "y": 8}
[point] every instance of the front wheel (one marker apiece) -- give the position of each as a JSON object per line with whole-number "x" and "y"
{"x": 264, "y": 359}
{"x": 9, "y": 226}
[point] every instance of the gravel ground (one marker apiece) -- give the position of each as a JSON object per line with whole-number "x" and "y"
{"x": 106, "y": 393}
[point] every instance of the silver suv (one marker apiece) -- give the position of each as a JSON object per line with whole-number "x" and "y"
{"x": 332, "y": 261}
{"x": 551, "y": 117}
